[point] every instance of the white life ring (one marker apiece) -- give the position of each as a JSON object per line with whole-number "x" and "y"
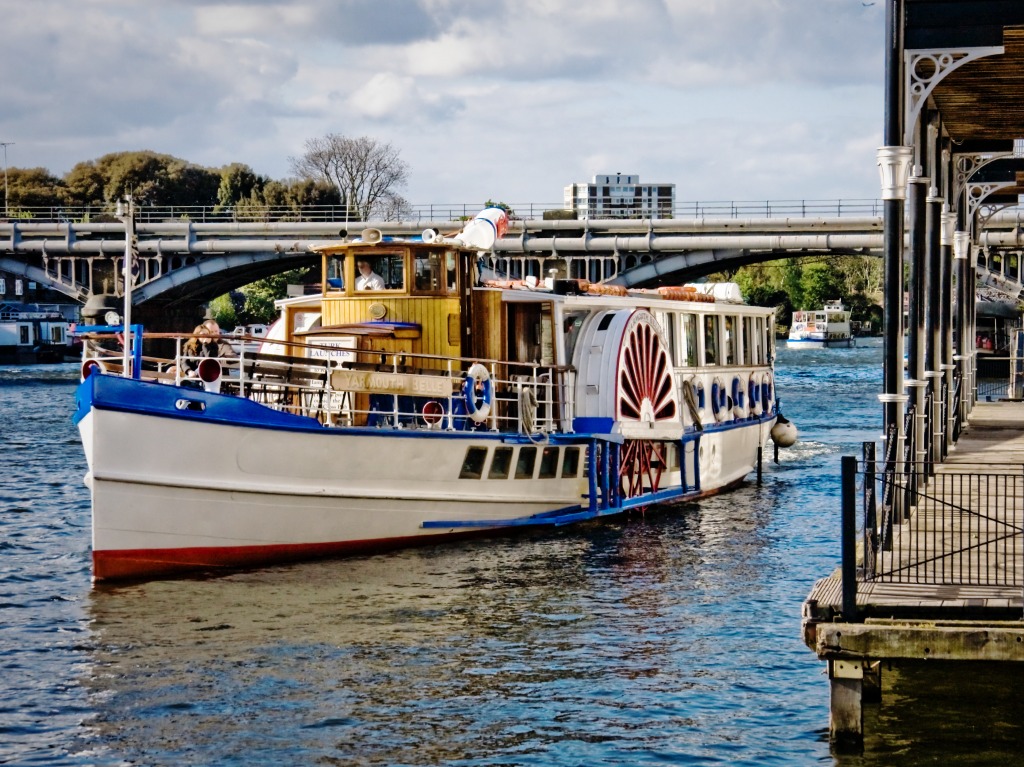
{"x": 693, "y": 396}
{"x": 718, "y": 395}
{"x": 739, "y": 397}
{"x": 478, "y": 406}
{"x": 766, "y": 392}
{"x": 754, "y": 395}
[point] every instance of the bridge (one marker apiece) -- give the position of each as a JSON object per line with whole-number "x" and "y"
{"x": 180, "y": 264}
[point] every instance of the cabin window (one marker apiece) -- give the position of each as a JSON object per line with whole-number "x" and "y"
{"x": 56, "y": 334}
{"x": 572, "y": 322}
{"x": 501, "y": 464}
{"x": 731, "y": 340}
{"x": 749, "y": 347}
{"x": 23, "y": 334}
{"x": 668, "y": 324}
{"x": 429, "y": 273}
{"x": 473, "y": 463}
{"x": 689, "y": 344}
{"x": 548, "y": 463}
{"x": 571, "y": 462}
{"x": 526, "y": 462}
{"x": 711, "y": 338}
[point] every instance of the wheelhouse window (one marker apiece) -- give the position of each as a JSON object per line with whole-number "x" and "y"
{"x": 368, "y": 272}
{"x": 431, "y": 272}
{"x": 385, "y": 271}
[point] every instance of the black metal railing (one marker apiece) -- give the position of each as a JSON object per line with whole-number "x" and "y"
{"x": 964, "y": 525}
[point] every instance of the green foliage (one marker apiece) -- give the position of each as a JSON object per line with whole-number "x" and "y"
{"x": 33, "y": 187}
{"x": 503, "y": 205}
{"x": 223, "y": 310}
{"x": 151, "y": 178}
{"x": 819, "y": 282}
{"x": 258, "y": 297}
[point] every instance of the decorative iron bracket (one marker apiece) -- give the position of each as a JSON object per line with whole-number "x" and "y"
{"x": 925, "y": 69}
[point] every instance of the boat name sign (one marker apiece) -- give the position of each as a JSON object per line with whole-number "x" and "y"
{"x": 391, "y": 383}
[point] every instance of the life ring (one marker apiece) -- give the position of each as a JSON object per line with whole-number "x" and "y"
{"x": 718, "y": 395}
{"x": 738, "y": 398}
{"x": 478, "y": 406}
{"x": 693, "y": 396}
{"x": 766, "y": 393}
{"x": 754, "y": 392}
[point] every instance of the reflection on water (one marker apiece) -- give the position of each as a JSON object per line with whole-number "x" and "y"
{"x": 573, "y": 647}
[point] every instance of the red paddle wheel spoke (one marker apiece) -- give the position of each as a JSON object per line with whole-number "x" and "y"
{"x": 642, "y": 462}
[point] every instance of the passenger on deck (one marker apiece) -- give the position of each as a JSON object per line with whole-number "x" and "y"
{"x": 367, "y": 279}
{"x": 204, "y": 343}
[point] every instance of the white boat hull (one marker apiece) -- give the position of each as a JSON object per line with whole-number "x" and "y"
{"x": 182, "y": 492}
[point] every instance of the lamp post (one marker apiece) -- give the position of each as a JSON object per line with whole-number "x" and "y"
{"x": 5, "y": 144}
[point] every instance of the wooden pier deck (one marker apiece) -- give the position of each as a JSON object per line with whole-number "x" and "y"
{"x": 993, "y": 445}
{"x": 950, "y": 586}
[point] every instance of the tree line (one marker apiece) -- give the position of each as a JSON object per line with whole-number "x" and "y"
{"x": 791, "y": 284}
{"x": 362, "y": 175}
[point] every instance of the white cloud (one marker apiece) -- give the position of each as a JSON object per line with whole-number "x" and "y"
{"x": 743, "y": 99}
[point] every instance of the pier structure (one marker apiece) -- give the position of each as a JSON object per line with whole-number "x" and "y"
{"x": 931, "y": 532}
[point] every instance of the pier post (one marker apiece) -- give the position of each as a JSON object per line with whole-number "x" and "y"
{"x": 846, "y": 704}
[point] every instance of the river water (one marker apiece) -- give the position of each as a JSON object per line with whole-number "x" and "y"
{"x": 670, "y": 638}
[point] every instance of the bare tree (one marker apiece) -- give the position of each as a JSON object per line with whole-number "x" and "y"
{"x": 366, "y": 172}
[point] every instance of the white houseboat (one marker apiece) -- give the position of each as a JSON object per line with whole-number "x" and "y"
{"x": 428, "y": 405}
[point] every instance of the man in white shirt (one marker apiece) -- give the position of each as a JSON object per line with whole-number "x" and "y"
{"x": 367, "y": 279}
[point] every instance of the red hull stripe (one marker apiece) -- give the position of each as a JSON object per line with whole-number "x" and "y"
{"x": 148, "y": 563}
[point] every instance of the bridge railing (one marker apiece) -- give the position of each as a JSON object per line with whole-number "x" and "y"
{"x": 454, "y": 211}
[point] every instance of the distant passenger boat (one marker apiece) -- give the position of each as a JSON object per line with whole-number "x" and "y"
{"x": 822, "y": 328}
{"x": 415, "y": 400}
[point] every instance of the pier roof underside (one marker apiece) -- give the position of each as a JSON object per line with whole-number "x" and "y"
{"x": 981, "y": 102}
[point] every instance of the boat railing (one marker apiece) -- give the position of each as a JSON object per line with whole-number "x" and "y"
{"x": 352, "y": 387}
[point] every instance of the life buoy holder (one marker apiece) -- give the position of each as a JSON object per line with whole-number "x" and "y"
{"x": 718, "y": 395}
{"x": 478, "y": 404}
{"x": 739, "y": 395}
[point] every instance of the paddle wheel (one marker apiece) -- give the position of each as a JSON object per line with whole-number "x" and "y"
{"x": 635, "y": 388}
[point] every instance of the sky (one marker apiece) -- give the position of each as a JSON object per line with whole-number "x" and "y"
{"x": 508, "y": 100}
